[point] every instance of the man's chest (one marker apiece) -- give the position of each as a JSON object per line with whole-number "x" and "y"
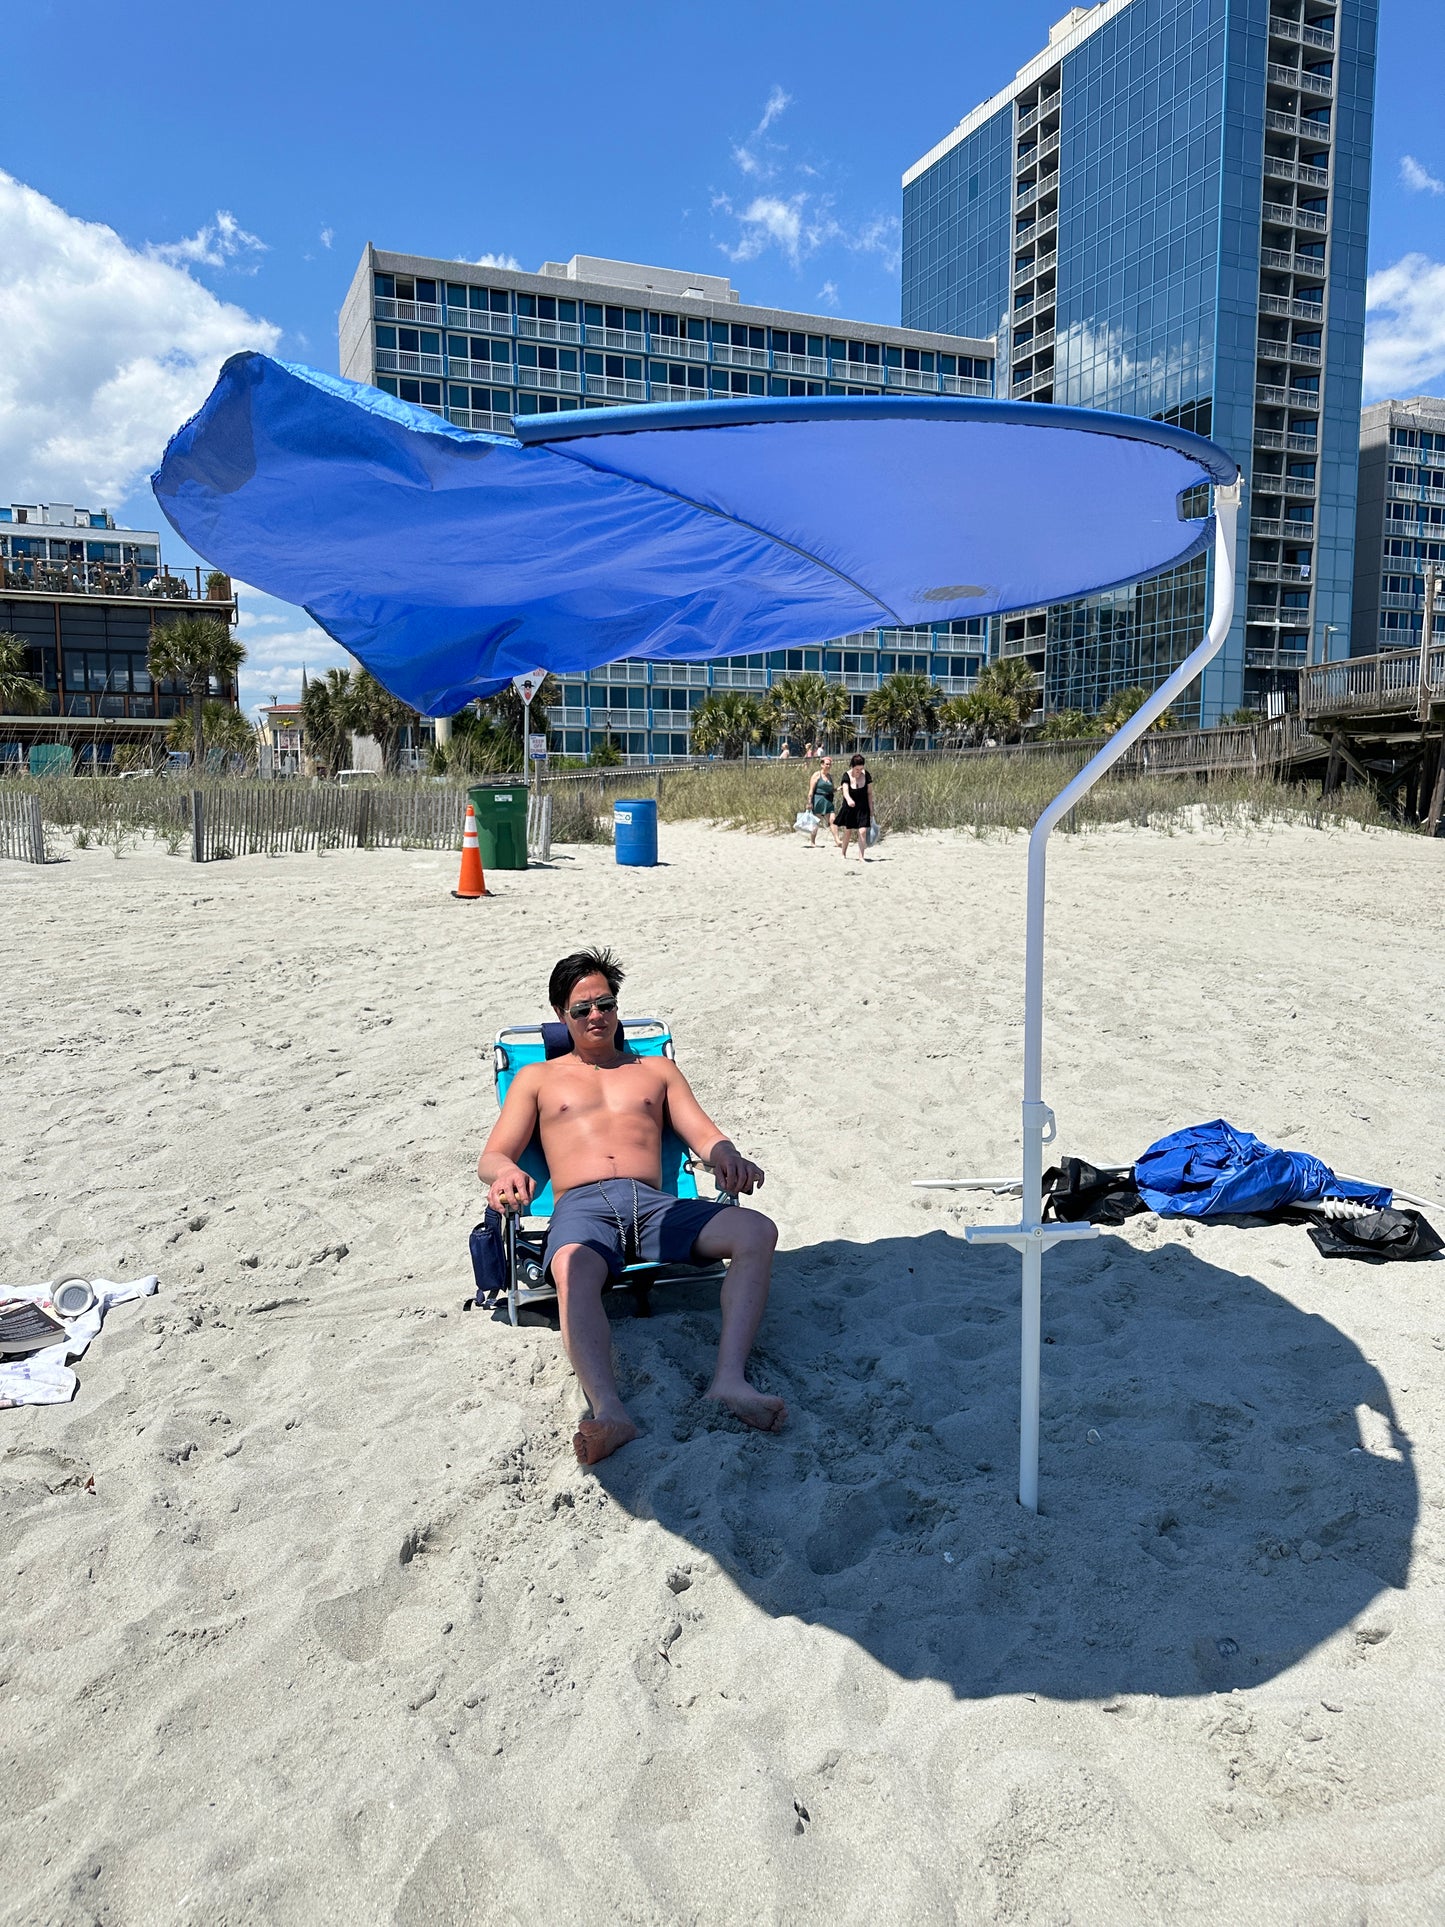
{"x": 585, "y": 1094}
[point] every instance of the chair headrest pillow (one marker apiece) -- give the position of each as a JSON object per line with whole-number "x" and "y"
{"x": 557, "y": 1040}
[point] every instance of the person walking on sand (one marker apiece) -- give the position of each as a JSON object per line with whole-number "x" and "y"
{"x": 599, "y": 1109}
{"x": 820, "y": 800}
{"x": 855, "y": 809}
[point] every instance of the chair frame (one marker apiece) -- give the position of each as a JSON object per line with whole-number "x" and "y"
{"x": 525, "y": 1234}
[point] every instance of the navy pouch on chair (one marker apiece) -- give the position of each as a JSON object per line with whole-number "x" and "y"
{"x": 489, "y": 1257}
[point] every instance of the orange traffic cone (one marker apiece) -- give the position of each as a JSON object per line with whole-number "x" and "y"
{"x": 471, "y": 883}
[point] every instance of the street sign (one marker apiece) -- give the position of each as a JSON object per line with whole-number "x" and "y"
{"x": 528, "y": 685}
{"x": 537, "y": 746}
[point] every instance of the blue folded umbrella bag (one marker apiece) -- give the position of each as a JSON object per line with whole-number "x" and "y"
{"x": 1211, "y": 1170}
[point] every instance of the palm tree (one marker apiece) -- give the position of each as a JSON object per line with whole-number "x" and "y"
{"x": 727, "y": 721}
{"x": 963, "y": 719}
{"x": 810, "y": 706}
{"x": 371, "y": 710}
{"x": 478, "y": 746}
{"x": 324, "y": 712}
{"x": 195, "y": 650}
{"x": 1067, "y": 725}
{"x": 903, "y": 706}
{"x": 225, "y": 732}
{"x": 20, "y": 695}
{"x": 1124, "y": 703}
{"x": 1010, "y": 690}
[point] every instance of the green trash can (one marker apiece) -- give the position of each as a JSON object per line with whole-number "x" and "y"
{"x": 501, "y": 826}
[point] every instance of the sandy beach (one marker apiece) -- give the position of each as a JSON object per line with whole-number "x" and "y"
{"x": 310, "y": 1614}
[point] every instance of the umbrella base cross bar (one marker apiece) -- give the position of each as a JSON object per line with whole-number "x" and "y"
{"x": 1031, "y": 1236}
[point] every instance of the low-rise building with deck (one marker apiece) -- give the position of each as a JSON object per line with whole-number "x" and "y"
{"x": 84, "y": 597}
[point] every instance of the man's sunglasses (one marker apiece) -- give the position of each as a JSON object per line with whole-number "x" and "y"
{"x": 604, "y": 1004}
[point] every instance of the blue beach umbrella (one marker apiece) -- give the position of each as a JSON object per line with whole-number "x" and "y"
{"x": 449, "y": 561}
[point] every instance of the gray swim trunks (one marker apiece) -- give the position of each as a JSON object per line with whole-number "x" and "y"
{"x": 602, "y": 1216}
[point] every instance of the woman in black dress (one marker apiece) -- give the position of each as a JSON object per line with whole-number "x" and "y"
{"x": 855, "y": 808}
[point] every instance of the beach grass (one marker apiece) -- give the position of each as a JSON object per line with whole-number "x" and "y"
{"x": 983, "y": 795}
{"x": 1003, "y": 793}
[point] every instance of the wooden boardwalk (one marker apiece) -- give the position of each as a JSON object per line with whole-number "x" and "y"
{"x": 1383, "y": 720}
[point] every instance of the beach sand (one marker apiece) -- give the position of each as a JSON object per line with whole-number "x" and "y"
{"x": 342, "y": 1632}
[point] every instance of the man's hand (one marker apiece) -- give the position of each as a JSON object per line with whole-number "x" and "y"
{"x": 733, "y": 1171}
{"x": 511, "y": 1190}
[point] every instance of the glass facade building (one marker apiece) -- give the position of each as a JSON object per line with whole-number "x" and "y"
{"x": 480, "y": 345}
{"x": 1400, "y": 536}
{"x": 1166, "y": 214}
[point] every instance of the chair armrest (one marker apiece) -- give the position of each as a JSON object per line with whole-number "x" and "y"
{"x": 701, "y": 1164}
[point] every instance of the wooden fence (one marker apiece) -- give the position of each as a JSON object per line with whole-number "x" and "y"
{"x": 22, "y": 830}
{"x": 275, "y": 819}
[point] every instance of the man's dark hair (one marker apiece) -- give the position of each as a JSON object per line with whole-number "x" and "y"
{"x": 582, "y": 963}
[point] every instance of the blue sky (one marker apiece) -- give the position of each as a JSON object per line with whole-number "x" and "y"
{"x": 197, "y": 180}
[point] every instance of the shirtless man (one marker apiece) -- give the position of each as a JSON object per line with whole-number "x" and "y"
{"x": 601, "y": 1111}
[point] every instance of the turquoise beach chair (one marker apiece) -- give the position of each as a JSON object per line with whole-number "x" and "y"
{"x": 525, "y": 1233}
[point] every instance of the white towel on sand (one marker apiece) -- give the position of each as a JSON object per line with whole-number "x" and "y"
{"x": 45, "y": 1378}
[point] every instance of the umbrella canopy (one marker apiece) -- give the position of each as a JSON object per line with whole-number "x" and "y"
{"x": 449, "y": 561}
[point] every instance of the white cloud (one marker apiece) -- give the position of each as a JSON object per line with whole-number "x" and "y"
{"x": 828, "y": 294}
{"x": 800, "y": 225}
{"x": 798, "y": 222}
{"x": 107, "y": 351}
{"x": 1417, "y": 178}
{"x": 1405, "y": 327}
{"x": 220, "y": 243}
{"x": 768, "y": 221}
{"x": 328, "y": 235}
{"x": 280, "y": 641}
{"x": 762, "y": 166}
{"x": 777, "y": 101}
{"x": 497, "y": 261}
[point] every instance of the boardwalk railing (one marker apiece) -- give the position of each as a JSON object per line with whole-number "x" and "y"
{"x": 1372, "y": 685}
{"x": 1266, "y": 748}
{"x": 22, "y": 830}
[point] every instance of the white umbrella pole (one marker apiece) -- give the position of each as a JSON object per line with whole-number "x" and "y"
{"x": 1031, "y": 1235}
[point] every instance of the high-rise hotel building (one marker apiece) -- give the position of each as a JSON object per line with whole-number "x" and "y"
{"x": 1166, "y": 213}
{"x": 481, "y": 344}
{"x": 1400, "y": 538}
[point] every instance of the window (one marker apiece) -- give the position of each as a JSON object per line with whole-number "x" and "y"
{"x": 542, "y": 355}
{"x": 482, "y": 401}
{"x": 678, "y": 374}
{"x": 736, "y": 381}
{"x": 427, "y": 393}
{"x": 384, "y": 286}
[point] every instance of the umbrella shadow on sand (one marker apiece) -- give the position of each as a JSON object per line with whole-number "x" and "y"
{"x": 1224, "y": 1484}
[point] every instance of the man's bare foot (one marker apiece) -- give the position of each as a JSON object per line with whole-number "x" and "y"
{"x": 599, "y": 1438}
{"x": 758, "y": 1409}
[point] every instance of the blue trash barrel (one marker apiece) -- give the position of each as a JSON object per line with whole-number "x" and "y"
{"x": 634, "y": 831}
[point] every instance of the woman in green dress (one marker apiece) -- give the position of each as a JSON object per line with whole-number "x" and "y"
{"x": 820, "y": 799}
